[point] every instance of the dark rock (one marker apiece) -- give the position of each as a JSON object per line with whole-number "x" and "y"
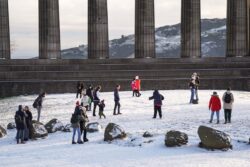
{"x": 114, "y": 131}
{"x": 11, "y": 125}
{"x": 147, "y": 135}
{"x": 214, "y": 139}
{"x": 54, "y": 125}
{"x": 175, "y": 138}
{"x": 67, "y": 128}
{"x": 2, "y": 132}
{"x": 38, "y": 130}
{"x": 94, "y": 127}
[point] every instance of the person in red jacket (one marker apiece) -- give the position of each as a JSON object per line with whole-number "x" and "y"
{"x": 137, "y": 86}
{"x": 215, "y": 107}
{"x": 133, "y": 87}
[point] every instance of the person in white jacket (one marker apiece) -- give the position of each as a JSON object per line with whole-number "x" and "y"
{"x": 228, "y": 100}
{"x": 85, "y": 100}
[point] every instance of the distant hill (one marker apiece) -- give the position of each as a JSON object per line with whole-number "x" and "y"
{"x": 167, "y": 42}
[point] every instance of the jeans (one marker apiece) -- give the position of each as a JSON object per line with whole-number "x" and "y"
{"x": 228, "y": 113}
{"x": 20, "y": 135}
{"x": 192, "y": 95}
{"x": 95, "y": 105}
{"x": 78, "y": 133}
{"x": 39, "y": 108}
{"x": 117, "y": 105}
{"x": 217, "y": 114}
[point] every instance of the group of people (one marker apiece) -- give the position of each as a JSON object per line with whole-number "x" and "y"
{"x": 23, "y": 120}
{"x": 215, "y": 106}
{"x": 79, "y": 118}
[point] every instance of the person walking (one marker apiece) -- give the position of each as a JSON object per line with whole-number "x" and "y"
{"x": 89, "y": 93}
{"x": 28, "y": 120}
{"x": 117, "y": 100}
{"x": 75, "y": 122}
{"x": 38, "y": 103}
{"x": 20, "y": 125}
{"x": 96, "y": 98}
{"x": 133, "y": 87}
{"x": 157, "y": 97}
{"x": 215, "y": 107}
{"x": 228, "y": 100}
{"x": 101, "y": 109}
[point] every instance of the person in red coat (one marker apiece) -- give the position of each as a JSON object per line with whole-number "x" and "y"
{"x": 133, "y": 87}
{"x": 137, "y": 86}
{"x": 215, "y": 107}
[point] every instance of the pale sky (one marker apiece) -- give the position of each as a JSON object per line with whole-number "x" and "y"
{"x": 73, "y": 17}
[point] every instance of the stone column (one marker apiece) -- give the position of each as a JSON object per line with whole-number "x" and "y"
{"x": 144, "y": 29}
{"x": 98, "y": 37}
{"x": 190, "y": 29}
{"x": 49, "y": 30}
{"x": 237, "y": 28}
{"x": 4, "y": 30}
{"x": 248, "y": 28}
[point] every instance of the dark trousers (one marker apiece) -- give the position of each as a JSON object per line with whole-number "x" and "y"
{"x": 20, "y": 135}
{"x": 79, "y": 92}
{"x": 228, "y": 114}
{"x": 117, "y": 105}
{"x": 157, "y": 109}
{"x": 134, "y": 93}
{"x": 137, "y": 93}
{"x": 83, "y": 130}
{"x": 95, "y": 105}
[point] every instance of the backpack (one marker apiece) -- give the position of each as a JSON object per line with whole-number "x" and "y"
{"x": 74, "y": 119}
{"x": 228, "y": 98}
{"x": 35, "y": 104}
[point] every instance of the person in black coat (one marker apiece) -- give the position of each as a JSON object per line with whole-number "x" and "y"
{"x": 96, "y": 99}
{"x": 117, "y": 100}
{"x": 38, "y": 103}
{"x": 79, "y": 88}
{"x": 157, "y": 103}
{"x": 20, "y": 124}
{"x": 28, "y": 119}
{"x": 89, "y": 93}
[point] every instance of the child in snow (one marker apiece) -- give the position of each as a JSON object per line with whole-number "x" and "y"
{"x": 157, "y": 97}
{"x": 133, "y": 87}
{"x": 215, "y": 107}
{"x": 101, "y": 109}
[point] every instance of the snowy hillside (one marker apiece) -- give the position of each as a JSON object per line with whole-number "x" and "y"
{"x": 167, "y": 42}
{"x": 134, "y": 151}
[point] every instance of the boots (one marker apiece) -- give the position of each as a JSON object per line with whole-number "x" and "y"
{"x": 85, "y": 136}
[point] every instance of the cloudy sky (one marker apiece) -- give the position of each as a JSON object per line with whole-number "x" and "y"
{"x": 73, "y": 17}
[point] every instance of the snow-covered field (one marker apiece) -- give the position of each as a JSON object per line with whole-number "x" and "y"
{"x": 135, "y": 151}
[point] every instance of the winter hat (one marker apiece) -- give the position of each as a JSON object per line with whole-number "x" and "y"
{"x": 77, "y": 103}
{"x": 214, "y": 93}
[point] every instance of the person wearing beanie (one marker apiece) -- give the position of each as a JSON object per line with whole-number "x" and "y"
{"x": 228, "y": 100}
{"x": 215, "y": 107}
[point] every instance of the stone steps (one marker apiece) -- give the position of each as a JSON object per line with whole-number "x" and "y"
{"x": 19, "y": 77}
{"x": 122, "y": 74}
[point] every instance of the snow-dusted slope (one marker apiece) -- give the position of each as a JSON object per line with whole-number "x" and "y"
{"x": 167, "y": 42}
{"x": 135, "y": 151}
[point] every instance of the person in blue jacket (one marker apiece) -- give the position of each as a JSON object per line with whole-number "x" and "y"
{"x": 157, "y": 97}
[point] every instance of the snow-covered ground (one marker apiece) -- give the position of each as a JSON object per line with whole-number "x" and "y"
{"x": 135, "y": 151}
